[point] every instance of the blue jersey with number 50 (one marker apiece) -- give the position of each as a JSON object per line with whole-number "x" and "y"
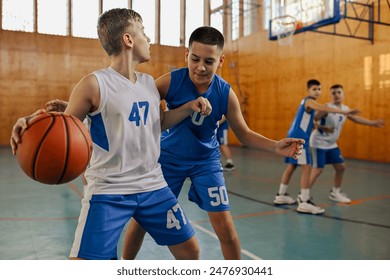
{"x": 194, "y": 141}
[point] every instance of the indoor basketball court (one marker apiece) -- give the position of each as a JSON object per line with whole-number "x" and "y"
{"x": 272, "y": 48}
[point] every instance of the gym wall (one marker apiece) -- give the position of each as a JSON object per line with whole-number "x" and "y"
{"x": 269, "y": 80}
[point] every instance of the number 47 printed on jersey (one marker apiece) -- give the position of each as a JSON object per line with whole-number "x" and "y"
{"x": 139, "y": 108}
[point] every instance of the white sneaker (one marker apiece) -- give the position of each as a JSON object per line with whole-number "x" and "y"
{"x": 229, "y": 167}
{"x": 284, "y": 199}
{"x": 309, "y": 207}
{"x": 339, "y": 197}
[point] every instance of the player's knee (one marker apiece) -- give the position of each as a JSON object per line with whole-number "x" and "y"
{"x": 317, "y": 171}
{"x": 340, "y": 168}
{"x": 188, "y": 250}
{"x": 226, "y": 233}
{"x": 195, "y": 253}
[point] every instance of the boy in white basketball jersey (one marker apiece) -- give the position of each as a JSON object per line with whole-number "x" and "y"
{"x": 323, "y": 142}
{"x": 124, "y": 177}
{"x": 190, "y": 149}
{"x": 302, "y": 127}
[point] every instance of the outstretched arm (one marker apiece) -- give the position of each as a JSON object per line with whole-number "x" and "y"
{"x": 311, "y": 103}
{"x": 288, "y": 147}
{"x": 364, "y": 121}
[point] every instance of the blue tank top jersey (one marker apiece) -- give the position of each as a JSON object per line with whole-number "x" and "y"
{"x": 193, "y": 140}
{"x": 302, "y": 124}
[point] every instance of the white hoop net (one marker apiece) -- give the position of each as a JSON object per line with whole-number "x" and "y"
{"x": 284, "y": 28}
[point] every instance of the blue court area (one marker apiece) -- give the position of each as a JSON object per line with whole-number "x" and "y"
{"x": 37, "y": 221}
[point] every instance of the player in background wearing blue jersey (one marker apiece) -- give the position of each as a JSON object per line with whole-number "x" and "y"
{"x": 124, "y": 177}
{"x": 222, "y": 137}
{"x": 302, "y": 127}
{"x": 190, "y": 149}
{"x": 323, "y": 142}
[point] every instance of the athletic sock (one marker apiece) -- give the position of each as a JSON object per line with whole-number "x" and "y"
{"x": 336, "y": 190}
{"x": 282, "y": 189}
{"x": 305, "y": 194}
{"x": 229, "y": 161}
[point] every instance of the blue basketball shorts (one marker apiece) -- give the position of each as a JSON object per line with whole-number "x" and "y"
{"x": 103, "y": 218}
{"x": 321, "y": 157}
{"x": 207, "y": 188}
{"x": 222, "y": 133}
{"x": 303, "y": 159}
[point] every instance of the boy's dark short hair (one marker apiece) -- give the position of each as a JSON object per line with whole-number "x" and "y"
{"x": 313, "y": 82}
{"x": 207, "y": 35}
{"x": 336, "y": 86}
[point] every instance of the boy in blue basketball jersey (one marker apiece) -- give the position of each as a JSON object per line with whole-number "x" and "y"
{"x": 190, "y": 149}
{"x": 302, "y": 127}
{"x": 124, "y": 177}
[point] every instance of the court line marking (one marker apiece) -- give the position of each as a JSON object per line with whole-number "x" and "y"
{"x": 286, "y": 209}
{"x": 212, "y": 234}
{"x": 75, "y": 189}
{"x": 368, "y": 169}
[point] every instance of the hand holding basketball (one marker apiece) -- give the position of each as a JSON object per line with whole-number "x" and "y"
{"x": 20, "y": 124}
{"x": 56, "y": 105}
{"x": 54, "y": 148}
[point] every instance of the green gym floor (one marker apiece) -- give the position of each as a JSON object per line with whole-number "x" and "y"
{"x": 37, "y": 222}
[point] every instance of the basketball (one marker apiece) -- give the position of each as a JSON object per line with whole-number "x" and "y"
{"x": 55, "y": 148}
{"x": 299, "y": 25}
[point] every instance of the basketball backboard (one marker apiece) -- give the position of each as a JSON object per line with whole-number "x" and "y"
{"x": 309, "y": 14}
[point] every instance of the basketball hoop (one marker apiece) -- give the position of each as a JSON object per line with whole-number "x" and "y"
{"x": 284, "y": 27}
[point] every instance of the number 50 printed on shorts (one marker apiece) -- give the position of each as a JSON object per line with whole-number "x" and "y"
{"x": 218, "y": 196}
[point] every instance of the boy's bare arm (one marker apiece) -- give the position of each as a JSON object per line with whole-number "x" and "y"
{"x": 321, "y": 107}
{"x": 360, "y": 120}
{"x": 172, "y": 117}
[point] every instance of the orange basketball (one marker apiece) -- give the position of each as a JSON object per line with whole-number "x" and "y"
{"x": 55, "y": 148}
{"x": 299, "y": 25}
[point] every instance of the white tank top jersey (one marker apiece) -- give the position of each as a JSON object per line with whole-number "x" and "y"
{"x": 325, "y": 140}
{"x": 125, "y": 131}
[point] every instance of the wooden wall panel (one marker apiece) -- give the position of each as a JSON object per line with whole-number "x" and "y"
{"x": 35, "y": 68}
